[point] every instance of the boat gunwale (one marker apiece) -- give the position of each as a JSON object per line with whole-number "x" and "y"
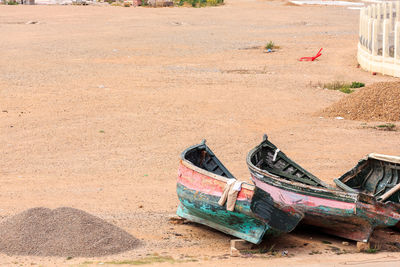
{"x": 384, "y": 157}
{"x": 193, "y": 167}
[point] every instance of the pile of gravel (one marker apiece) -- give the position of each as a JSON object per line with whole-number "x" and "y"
{"x": 376, "y": 102}
{"x": 64, "y": 232}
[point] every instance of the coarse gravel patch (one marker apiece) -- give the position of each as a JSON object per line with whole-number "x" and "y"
{"x": 64, "y": 232}
{"x": 376, "y": 102}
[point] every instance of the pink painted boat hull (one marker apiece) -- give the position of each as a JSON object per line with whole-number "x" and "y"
{"x": 350, "y": 215}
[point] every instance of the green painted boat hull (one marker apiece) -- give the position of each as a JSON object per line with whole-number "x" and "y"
{"x": 204, "y": 209}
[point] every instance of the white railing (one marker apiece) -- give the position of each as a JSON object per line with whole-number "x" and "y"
{"x": 379, "y": 38}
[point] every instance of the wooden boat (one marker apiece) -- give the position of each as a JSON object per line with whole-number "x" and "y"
{"x": 352, "y": 215}
{"x": 201, "y": 182}
{"x": 376, "y": 175}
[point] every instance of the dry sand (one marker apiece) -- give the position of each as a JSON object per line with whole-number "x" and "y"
{"x": 98, "y": 102}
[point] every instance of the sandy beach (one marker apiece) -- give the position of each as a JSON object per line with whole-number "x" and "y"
{"x": 97, "y": 103}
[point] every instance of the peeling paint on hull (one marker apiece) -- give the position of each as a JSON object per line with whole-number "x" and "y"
{"x": 350, "y": 215}
{"x": 331, "y": 219}
{"x": 204, "y": 209}
{"x": 199, "y": 190}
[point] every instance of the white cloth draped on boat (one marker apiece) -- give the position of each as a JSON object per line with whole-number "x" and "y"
{"x": 231, "y": 191}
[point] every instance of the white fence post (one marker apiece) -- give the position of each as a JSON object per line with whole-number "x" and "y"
{"x": 378, "y": 11}
{"x": 360, "y": 27}
{"x": 373, "y": 13}
{"x": 397, "y": 40}
{"x": 365, "y": 25}
{"x": 384, "y": 10}
{"x": 385, "y": 41}
{"x": 375, "y": 31}
{"x": 369, "y": 39}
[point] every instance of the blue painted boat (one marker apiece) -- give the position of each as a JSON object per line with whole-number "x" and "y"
{"x": 202, "y": 179}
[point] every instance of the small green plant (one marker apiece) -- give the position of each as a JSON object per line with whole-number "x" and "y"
{"x": 69, "y": 258}
{"x": 343, "y": 86}
{"x": 357, "y": 85}
{"x": 386, "y": 127}
{"x": 199, "y": 3}
{"x": 12, "y": 2}
{"x": 371, "y": 250}
{"x": 326, "y": 242}
{"x": 214, "y": 2}
{"x": 346, "y": 90}
{"x": 271, "y": 45}
{"x": 101, "y": 131}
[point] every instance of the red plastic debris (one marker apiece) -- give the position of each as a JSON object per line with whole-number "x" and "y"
{"x": 311, "y": 58}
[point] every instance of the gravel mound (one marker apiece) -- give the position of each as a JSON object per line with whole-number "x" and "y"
{"x": 64, "y": 232}
{"x": 376, "y": 102}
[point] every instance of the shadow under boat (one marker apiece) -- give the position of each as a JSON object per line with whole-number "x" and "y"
{"x": 202, "y": 179}
{"x": 352, "y": 214}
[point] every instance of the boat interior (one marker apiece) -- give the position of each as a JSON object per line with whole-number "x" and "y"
{"x": 373, "y": 177}
{"x": 269, "y": 158}
{"x": 202, "y": 157}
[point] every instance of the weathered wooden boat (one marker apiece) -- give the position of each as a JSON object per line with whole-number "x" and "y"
{"x": 352, "y": 215}
{"x": 376, "y": 175}
{"x": 202, "y": 179}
